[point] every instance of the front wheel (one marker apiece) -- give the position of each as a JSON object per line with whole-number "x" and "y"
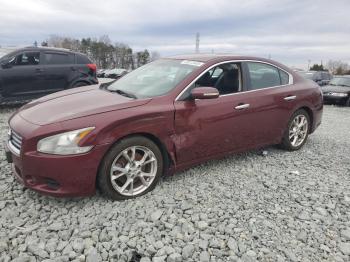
{"x": 131, "y": 168}
{"x": 297, "y": 132}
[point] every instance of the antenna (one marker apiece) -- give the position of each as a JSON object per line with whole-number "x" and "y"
{"x": 197, "y": 42}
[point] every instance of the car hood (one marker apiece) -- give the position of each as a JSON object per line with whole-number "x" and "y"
{"x": 75, "y": 103}
{"x": 338, "y": 89}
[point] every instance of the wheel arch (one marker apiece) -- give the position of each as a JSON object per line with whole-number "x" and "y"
{"x": 168, "y": 160}
{"x": 311, "y": 116}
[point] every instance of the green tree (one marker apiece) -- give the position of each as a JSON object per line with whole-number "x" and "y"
{"x": 317, "y": 67}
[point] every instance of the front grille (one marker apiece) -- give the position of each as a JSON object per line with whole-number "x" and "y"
{"x": 15, "y": 139}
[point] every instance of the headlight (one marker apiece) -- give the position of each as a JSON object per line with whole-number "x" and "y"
{"x": 65, "y": 143}
{"x": 340, "y": 94}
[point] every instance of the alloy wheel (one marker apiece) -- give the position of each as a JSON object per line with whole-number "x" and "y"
{"x": 298, "y": 130}
{"x": 133, "y": 170}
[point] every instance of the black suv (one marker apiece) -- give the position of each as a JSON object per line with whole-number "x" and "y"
{"x": 32, "y": 72}
{"x": 320, "y": 77}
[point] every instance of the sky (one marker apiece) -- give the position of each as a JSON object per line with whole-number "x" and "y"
{"x": 289, "y": 31}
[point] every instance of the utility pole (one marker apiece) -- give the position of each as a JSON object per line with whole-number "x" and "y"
{"x": 197, "y": 42}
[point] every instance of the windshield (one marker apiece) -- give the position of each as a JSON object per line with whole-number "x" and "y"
{"x": 307, "y": 75}
{"x": 7, "y": 56}
{"x": 340, "y": 81}
{"x": 156, "y": 78}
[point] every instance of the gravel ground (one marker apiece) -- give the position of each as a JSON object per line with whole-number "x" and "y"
{"x": 270, "y": 206}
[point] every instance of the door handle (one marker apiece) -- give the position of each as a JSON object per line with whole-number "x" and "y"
{"x": 242, "y": 106}
{"x": 289, "y": 98}
{"x": 39, "y": 70}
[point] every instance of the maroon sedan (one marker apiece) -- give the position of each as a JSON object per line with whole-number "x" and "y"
{"x": 163, "y": 117}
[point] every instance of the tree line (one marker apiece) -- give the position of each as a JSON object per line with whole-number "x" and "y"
{"x": 336, "y": 67}
{"x": 103, "y": 52}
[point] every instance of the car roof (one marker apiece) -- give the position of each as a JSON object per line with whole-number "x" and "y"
{"x": 43, "y": 48}
{"x": 214, "y": 57}
{"x": 217, "y": 58}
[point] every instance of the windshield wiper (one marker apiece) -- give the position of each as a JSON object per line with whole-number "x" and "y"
{"x": 344, "y": 85}
{"x": 123, "y": 93}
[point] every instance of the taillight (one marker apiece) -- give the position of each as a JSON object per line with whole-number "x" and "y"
{"x": 93, "y": 67}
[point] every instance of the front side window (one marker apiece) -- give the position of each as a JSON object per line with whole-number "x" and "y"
{"x": 264, "y": 75}
{"x": 156, "y": 78}
{"x": 58, "y": 58}
{"x": 25, "y": 59}
{"x": 226, "y": 78}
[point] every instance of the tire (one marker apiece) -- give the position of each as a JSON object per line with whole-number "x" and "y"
{"x": 79, "y": 84}
{"x": 134, "y": 173}
{"x": 289, "y": 140}
{"x": 347, "y": 103}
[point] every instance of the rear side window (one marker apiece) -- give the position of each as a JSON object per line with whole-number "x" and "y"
{"x": 59, "y": 58}
{"x": 264, "y": 75}
{"x": 82, "y": 60}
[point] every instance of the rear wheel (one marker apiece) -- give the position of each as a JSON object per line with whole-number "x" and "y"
{"x": 297, "y": 132}
{"x": 131, "y": 168}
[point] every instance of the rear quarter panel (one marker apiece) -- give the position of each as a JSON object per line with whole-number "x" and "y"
{"x": 309, "y": 96}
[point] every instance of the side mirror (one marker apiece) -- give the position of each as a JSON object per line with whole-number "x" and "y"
{"x": 204, "y": 93}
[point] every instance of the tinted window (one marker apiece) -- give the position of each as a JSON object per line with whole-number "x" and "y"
{"x": 59, "y": 58}
{"x": 27, "y": 58}
{"x": 82, "y": 60}
{"x": 224, "y": 77}
{"x": 263, "y": 75}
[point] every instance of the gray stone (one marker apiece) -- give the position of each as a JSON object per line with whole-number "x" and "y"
{"x": 159, "y": 259}
{"x": 232, "y": 245}
{"x": 345, "y": 248}
{"x": 202, "y": 225}
{"x": 345, "y": 233}
{"x": 36, "y": 250}
{"x": 187, "y": 251}
{"x": 156, "y": 215}
{"x": 203, "y": 244}
{"x": 3, "y": 246}
{"x": 93, "y": 256}
{"x": 204, "y": 256}
{"x": 175, "y": 257}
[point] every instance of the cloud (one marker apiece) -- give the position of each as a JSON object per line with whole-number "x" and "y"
{"x": 290, "y": 31}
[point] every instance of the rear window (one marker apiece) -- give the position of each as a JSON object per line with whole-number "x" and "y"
{"x": 82, "y": 60}
{"x": 59, "y": 58}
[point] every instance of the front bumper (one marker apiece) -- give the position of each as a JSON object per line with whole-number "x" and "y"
{"x": 334, "y": 99}
{"x": 60, "y": 176}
